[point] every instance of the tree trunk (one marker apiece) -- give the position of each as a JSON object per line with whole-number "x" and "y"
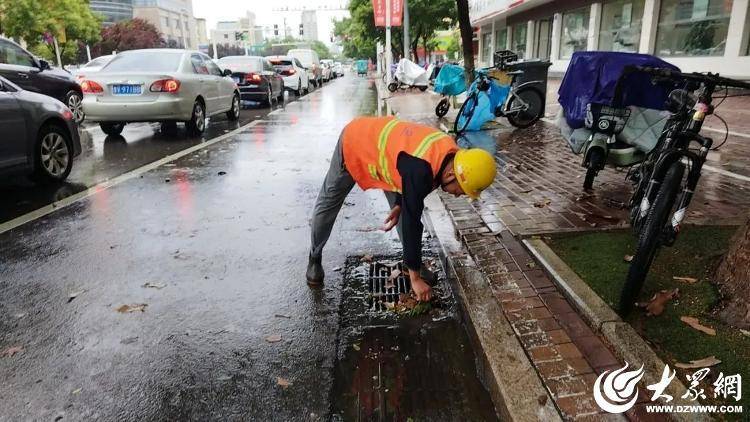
{"x": 467, "y": 33}
{"x": 732, "y": 277}
{"x": 415, "y": 44}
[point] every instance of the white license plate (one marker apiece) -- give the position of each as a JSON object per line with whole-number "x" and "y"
{"x": 251, "y": 86}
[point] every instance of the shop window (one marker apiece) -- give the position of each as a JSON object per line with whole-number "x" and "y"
{"x": 519, "y": 39}
{"x": 543, "y": 38}
{"x": 501, "y": 39}
{"x": 487, "y": 47}
{"x": 575, "y": 32}
{"x": 621, "y": 25}
{"x": 693, "y": 27}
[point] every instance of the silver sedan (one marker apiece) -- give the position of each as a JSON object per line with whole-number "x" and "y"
{"x": 159, "y": 85}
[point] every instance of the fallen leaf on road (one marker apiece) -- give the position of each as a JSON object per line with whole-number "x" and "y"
{"x": 693, "y": 322}
{"x": 745, "y": 332}
{"x": 356, "y": 347}
{"x": 627, "y": 258}
{"x": 367, "y": 229}
{"x": 154, "y": 285}
{"x": 367, "y": 258}
{"x": 282, "y": 316}
{"x": 282, "y": 382}
{"x": 11, "y": 351}
{"x": 531, "y": 264}
{"x": 543, "y": 203}
{"x": 655, "y": 306}
{"x": 222, "y": 173}
{"x": 167, "y": 180}
{"x": 129, "y": 340}
{"x": 389, "y": 305}
{"x": 274, "y": 338}
{"x": 132, "y": 308}
{"x": 76, "y": 391}
{"x": 695, "y": 214}
{"x": 337, "y": 269}
{"x": 689, "y": 280}
{"x": 700, "y": 363}
{"x": 75, "y": 295}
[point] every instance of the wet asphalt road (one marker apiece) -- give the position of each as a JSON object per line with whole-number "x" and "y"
{"x": 104, "y": 157}
{"x": 230, "y": 250}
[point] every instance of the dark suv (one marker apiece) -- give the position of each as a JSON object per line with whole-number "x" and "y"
{"x": 35, "y": 75}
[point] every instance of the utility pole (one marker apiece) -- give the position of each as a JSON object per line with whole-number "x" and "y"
{"x": 405, "y": 24}
{"x": 216, "y": 55}
{"x": 388, "y": 48}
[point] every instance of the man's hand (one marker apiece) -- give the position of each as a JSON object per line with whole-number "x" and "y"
{"x": 392, "y": 219}
{"x": 421, "y": 289}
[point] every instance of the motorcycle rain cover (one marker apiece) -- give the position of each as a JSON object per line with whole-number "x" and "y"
{"x": 592, "y": 76}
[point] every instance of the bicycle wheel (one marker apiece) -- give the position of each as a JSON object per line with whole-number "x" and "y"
{"x": 442, "y": 107}
{"x": 466, "y": 110}
{"x": 650, "y": 237}
{"x": 529, "y": 113}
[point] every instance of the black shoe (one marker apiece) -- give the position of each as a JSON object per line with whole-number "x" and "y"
{"x": 315, "y": 272}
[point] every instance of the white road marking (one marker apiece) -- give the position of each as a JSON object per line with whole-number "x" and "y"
{"x": 722, "y": 131}
{"x": 48, "y": 209}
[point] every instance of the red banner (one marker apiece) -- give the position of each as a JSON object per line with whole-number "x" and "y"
{"x": 397, "y": 8}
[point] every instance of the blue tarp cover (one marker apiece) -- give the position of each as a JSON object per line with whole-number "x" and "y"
{"x": 450, "y": 80}
{"x": 591, "y": 78}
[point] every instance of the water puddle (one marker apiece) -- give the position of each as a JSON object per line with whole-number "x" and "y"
{"x": 395, "y": 364}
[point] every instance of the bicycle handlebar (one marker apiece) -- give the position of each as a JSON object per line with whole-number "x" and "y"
{"x": 706, "y": 78}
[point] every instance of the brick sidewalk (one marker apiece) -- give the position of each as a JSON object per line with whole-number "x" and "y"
{"x": 539, "y": 186}
{"x": 539, "y": 189}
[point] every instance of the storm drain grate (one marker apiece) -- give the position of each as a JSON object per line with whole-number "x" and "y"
{"x": 384, "y": 287}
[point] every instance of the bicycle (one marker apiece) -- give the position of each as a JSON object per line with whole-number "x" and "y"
{"x": 522, "y": 106}
{"x": 660, "y": 179}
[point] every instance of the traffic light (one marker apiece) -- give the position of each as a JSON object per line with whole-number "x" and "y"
{"x": 237, "y": 36}
{"x": 301, "y": 29}
{"x": 275, "y": 29}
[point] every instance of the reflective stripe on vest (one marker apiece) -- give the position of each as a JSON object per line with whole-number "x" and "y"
{"x": 382, "y": 160}
{"x": 426, "y": 143}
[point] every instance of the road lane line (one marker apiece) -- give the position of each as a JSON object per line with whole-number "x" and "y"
{"x": 707, "y": 167}
{"x": 70, "y": 200}
{"x": 722, "y": 131}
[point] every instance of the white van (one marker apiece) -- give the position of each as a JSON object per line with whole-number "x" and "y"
{"x": 311, "y": 61}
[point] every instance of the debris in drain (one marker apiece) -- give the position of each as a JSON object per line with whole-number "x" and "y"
{"x": 390, "y": 289}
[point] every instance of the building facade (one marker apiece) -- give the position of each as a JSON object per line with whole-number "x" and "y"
{"x": 173, "y": 18}
{"x": 200, "y": 31}
{"x": 226, "y": 32}
{"x": 695, "y": 35}
{"x": 113, "y": 11}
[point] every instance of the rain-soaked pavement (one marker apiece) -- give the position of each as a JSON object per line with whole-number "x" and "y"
{"x": 209, "y": 250}
{"x": 104, "y": 157}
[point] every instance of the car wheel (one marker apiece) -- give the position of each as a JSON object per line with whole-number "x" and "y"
{"x": 298, "y": 91}
{"x": 234, "y": 113}
{"x": 53, "y": 155}
{"x": 74, "y": 102}
{"x": 280, "y": 98}
{"x": 112, "y": 128}
{"x": 197, "y": 123}
{"x": 269, "y": 96}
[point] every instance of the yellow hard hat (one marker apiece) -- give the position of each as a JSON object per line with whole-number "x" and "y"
{"x": 475, "y": 170}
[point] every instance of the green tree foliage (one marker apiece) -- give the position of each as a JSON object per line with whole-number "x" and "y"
{"x": 37, "y": 21}
{"x": 321, "y": 49}
{"x": 360, "y": 36}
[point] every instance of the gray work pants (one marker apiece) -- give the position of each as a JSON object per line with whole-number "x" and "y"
{"x": 336, "y": 186}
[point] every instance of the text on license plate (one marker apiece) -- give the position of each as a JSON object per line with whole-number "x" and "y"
{"x": 126, "y": 89}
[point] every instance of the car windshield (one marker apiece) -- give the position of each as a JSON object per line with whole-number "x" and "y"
{"x": 241, "y": 64}
{"x": 281, "y": 64}
{"x": 145, "y": 61}
{"x": 99, "y": 61}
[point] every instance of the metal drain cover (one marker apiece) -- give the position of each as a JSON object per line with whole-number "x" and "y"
{"x": 384, "y": 287}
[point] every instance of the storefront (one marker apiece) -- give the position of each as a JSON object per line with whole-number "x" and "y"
{"x": 696, "y": 35}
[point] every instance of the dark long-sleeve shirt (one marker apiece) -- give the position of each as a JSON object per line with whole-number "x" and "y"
{"x": 417, "y": 181}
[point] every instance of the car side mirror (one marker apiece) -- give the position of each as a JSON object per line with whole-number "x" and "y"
{"x": 44, "y": 65}
{"x": 226, "y": 72}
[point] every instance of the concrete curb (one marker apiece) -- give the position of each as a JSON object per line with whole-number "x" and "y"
{"x": 626, "y": 343}
{"x": 514, "y": 385}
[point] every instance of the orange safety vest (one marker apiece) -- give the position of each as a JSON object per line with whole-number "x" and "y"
{"x": 371, "y": 146}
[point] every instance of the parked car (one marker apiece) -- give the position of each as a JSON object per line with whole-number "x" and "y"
{"x": 256, "y": 78}
{"x": 338, "y": 69}
{"x": 294, "y": 74}
{"x": 309, "y": 59}
{"x": 36, "y": 75}
{"x": 40, "y": 136}
{"x": 159, "y": 85}
{"x": 326, "y": 71}
{"x": 93, "y": 66}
